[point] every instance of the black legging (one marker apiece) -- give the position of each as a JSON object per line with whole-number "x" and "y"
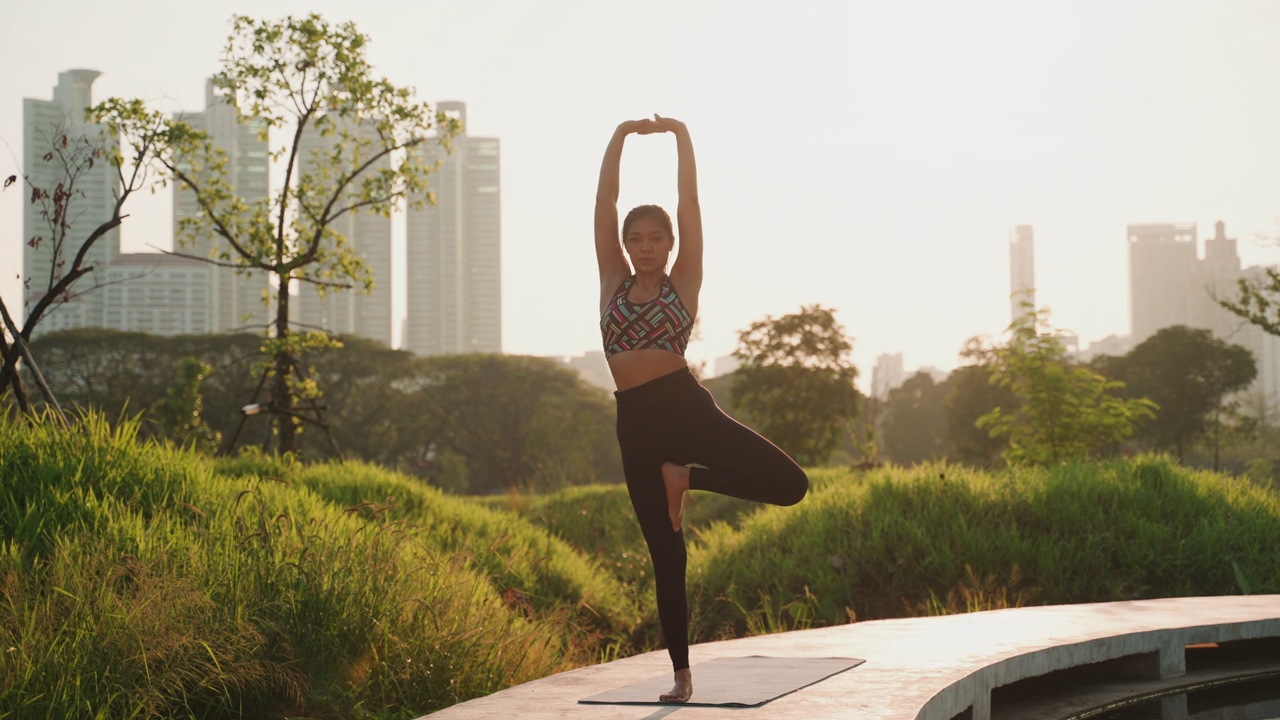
{"x": 674, "y": 419}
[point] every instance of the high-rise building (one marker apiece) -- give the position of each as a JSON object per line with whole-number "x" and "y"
{"x": 1022, "y": 272}
{"x": 1216, "y": 277}
{"x": 353, "y": 311}
{"x": 236, "y": 296}
{"x": 1162, "y": 260}
{"x": 454, "y": 273}
{"x": 1180, "y": 288}
{"x": 158, "y": 294}
{"x": 887, "y": 375}
{"x": 46, "y": 123}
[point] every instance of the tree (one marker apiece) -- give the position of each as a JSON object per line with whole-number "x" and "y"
{"x": 75, "y": 151}
{"x": 308, "y": 82}
{"x": 120, "y": 373}
{"x": 181, "y": 413}
{"x": 970, "y": 395}
{"x": 370, "y": 400}
{"x": 914, "y": 427}
{"x": 516, "y": 422}
{"x": 1189, "y": 374}
{"x": 1065, "y": 411}
{"x": 795, "y": 382}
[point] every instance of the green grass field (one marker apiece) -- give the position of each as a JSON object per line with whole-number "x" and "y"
{"x": 143, "y": 581}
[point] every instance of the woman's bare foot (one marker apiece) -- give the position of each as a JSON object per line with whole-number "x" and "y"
{"x": 676, "y": 478}
{"x": 683, "y": 689}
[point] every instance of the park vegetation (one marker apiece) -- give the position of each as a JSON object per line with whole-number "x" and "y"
{"x": 141, "y": 579}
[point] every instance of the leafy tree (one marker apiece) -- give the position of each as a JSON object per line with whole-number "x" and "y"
{"x": 1065, "y": 411}
{"x": 1189, "y": 373}
{"x": 128, "y": 372}
{"x": 516, "y": 422}
{"x": 796, "y": 382}
{"x": 969, "y": 394}
{"x": 370, "y": 400}
{"x": 914, "y": 427}
{"x": 180, "y": 413}
{"x": 302, "y": 79}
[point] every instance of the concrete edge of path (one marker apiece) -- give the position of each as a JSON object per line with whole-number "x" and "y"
{"x": 930, "y": 668}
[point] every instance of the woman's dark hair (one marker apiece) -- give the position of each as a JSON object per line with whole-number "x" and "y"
{"x": 653, "y": 211}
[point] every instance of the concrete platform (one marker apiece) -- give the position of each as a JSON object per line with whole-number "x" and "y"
{"x": 932, "y": 668}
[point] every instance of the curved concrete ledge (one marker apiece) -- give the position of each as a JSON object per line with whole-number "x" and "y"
{"x": 934, "y": 668}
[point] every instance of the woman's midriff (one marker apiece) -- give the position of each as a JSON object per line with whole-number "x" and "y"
{"x": 637, "y": 367}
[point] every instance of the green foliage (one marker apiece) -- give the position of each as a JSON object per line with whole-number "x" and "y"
{"x": 970, "y": 395}
{"x": 1258, "y": 301}
{"x": 914, "y": 427}
{"x": 181, "y": 413}
{"x": 140, "y": 580}
{"x": 517, "y": 422}
{"x": 1066, "y": 411}
{"x": 1260, "y": 471}
{"x": 1189, "y": 374}
{"x": 488, "y": 422}
{"x": 935, "y": 538}
{"x": 796, "y": 382}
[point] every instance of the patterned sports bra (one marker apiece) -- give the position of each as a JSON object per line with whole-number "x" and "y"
{"x": 662, "y": 323}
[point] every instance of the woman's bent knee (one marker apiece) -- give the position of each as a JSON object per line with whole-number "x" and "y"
{"x": 796, "y": 487}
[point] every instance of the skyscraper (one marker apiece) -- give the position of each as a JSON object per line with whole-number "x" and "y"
{"x": 454, "y": 250}
{"x": 887, "y": 375}
{"x": 236, "y": 297}
{"x": 348, "y": 312}
{"x": 1216, "y": 277}
{"x": 46, "y": 122}
{"x": 1171, "y": 285}
{"x": 1162, "y": 260}
{"x": 1022, "y": 272}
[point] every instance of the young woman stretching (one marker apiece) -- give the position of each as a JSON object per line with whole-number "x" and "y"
{"x": 673, "y": 435}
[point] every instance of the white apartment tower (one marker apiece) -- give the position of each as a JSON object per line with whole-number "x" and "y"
{"x": 1162, "y": 260}
{"x": 1170, "y": 284}
{"x": 1217, "y": 276}
{"x": 1022, "y": 272}
{"x": 236, "y": 296}
{"x": 354, "y": 311}
{"x": 887, "y": 375}
{"x": 454, "y": 273}
{"x": 46, "y": 122}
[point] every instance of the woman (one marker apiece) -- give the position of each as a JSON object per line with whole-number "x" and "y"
{"x": 673, "y": 436}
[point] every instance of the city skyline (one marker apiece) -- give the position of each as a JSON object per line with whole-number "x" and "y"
{"x": 869, "y": 157}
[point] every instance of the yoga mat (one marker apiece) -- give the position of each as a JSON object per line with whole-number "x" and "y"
{"x": 733, "y": 681}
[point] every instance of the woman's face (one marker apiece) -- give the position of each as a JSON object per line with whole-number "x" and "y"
{"x": 648, "y": 244}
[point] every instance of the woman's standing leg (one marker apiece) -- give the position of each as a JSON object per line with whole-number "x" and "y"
{"x": 643, "y": 472}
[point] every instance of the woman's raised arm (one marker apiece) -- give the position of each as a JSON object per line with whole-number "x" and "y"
{"x": 609, "y": 254}
{"x": 686, "y": 273}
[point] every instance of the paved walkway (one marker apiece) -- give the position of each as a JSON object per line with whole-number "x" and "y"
{"x": 927, "y": 668}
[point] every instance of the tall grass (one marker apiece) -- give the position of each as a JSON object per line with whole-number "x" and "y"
{"x": 940, "y": 538}
{"x": 141, "y": 581}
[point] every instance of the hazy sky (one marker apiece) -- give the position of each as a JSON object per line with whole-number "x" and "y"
{"x": 869, "y": 157}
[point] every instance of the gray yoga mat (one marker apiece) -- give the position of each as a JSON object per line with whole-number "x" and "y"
{"x": 733, "y": 681}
